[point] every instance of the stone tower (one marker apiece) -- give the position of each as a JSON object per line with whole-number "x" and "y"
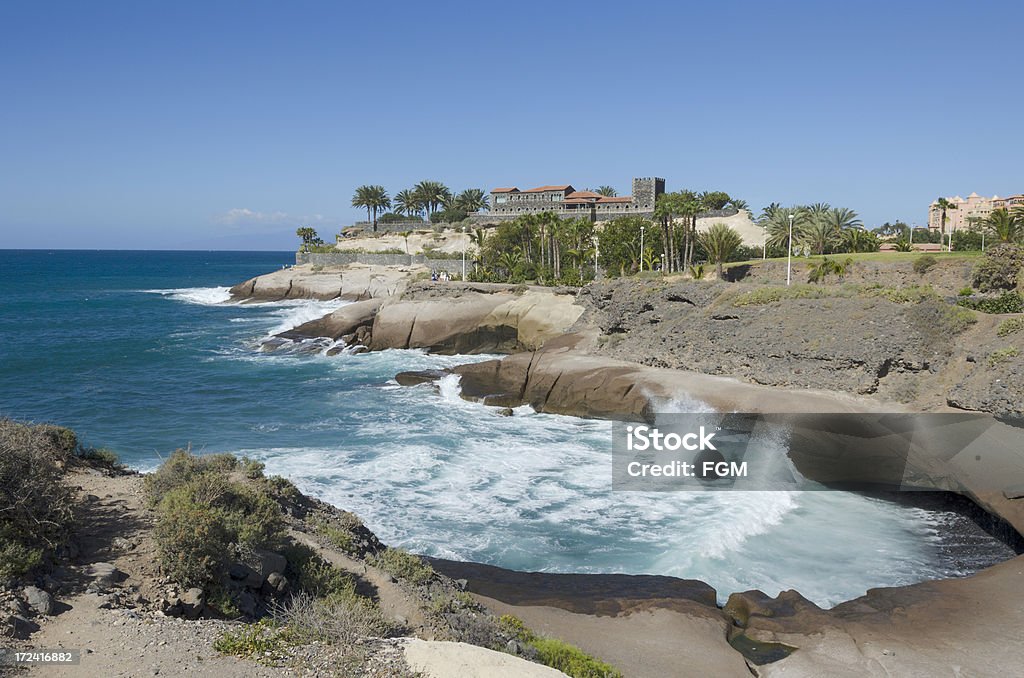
{"x": 646, "y": 190}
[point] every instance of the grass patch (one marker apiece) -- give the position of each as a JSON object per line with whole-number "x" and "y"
{"x": 264, "y": 641}
{"x": 1010, "y": 326}
{"x": 403, "y": 565}
{"x": 770, "y": 294}
{"x": 340, "y": 618}
{"x": 557, "y": 654}
{"x": 870, "y": 256}
{"x": 1002, "y": 355}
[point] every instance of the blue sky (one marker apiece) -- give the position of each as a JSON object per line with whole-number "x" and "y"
{"x": 228, "y": 124}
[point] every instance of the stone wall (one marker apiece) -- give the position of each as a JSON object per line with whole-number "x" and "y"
{"x": 378, "y": 259}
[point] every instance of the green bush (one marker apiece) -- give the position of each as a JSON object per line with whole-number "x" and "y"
{"x": 36, "y": 505}
{"x": 1000, "y": 268}
{"x": 557, "y": 654}
{"x": 203, "y": 514}
{"x": 571, "y": 660}
{"x": 1010, "y": 326}
{"x": 313, "y": 574}
{"x": 924, "y": 263}
{"x": 404, "y": 565}
{"x": 1007, "y": 302}
{"x": 965, "y": 291}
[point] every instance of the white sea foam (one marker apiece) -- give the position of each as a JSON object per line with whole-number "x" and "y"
{"x": 204, "y": 296}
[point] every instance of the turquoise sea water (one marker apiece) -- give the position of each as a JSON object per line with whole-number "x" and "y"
{"x": 138, "y": 352}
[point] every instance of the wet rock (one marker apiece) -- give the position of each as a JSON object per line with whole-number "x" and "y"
{"x": 413, "y": 378}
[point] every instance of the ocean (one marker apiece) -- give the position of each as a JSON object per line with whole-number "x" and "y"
{"x": 140, "y": 352}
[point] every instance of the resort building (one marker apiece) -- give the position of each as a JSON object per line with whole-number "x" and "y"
{"x": 566, "y": 201}
{"x": 970, "y": 210}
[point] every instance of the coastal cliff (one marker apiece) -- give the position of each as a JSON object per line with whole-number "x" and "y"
{"x": 622, "y": 349}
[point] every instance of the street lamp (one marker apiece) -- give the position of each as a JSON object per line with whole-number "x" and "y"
{"x": 789, "y": 253}
{"x": 464, "y": 260}
{"x": 595, "y": 256}
{"x": 642, "y": 229}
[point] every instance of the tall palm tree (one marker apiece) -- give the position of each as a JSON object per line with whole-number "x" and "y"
{"x": 405, "y": 202}
{"x": 944, "y": 205}
{"x": 432, "y": 195}
{"x": 1005, "y": 226}
{"x": 472, "y": 200}
{"x": 720, "y": 241}
{"x": 373, "y": 199}
{"x": 606, "y": 191}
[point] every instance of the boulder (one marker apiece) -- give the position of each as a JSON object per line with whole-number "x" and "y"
{"x": 104, "y": 575}
{"x": 246, "y": 603}
{"x": 276, "y": 582}
{"x": 415, "y": 377}
{"x": 192, "y": 603}
{"x": 268, "y": 563}
{"x": 345, "y": 321}
{"x": 39, "y": 600}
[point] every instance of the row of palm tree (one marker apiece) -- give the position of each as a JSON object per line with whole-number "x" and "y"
{"x": 423, "y": 199}
{"x": 686, "y": 205}
{"x": 820, "y": 228}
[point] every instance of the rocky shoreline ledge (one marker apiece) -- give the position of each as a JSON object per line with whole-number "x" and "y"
{"x": 894, "y": 342}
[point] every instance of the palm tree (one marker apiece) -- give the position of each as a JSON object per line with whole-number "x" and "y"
{"x": 944, "y": 205}
{"x": 819, "y": 234}
{"x": 405, "y": 235}
{"x": 1006, "y": 227}
{"x": 373, "y": 199}
{"x": 720, "y": 241}
{"x": 405, "y": 202}
{"x": 738, "y": 204}
{"x": 842, "y": 218}
{"x": 859, "y": 240}
{"x": 431, "y": 195}
{"x": 606, "y": 191}
{"x": 509, "y": 260}
{"x": 472, "y": 200}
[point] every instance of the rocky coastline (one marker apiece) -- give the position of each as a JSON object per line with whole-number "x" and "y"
{"x": 893, "y": 342}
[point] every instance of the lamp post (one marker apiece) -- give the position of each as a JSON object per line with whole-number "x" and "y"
{"x": 595, "y": 257}
{"x": 764, "y": 251}
{"x": 789, "y": 253}
{"x": 642, "y": 229}
{"x": 463, "y": 261}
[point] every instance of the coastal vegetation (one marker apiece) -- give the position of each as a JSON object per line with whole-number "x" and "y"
{"x": 538, "y": 247}
{"x": 36, "y": 503}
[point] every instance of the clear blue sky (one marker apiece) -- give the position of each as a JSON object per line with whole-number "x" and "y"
{"x": 227, "y": 124}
